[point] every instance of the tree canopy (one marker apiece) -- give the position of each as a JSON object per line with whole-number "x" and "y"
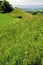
{"x": 5, "y": 6}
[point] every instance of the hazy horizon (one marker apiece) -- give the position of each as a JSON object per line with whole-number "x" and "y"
{"x": 26, "y": 2}
{"x": 30, "y": 7}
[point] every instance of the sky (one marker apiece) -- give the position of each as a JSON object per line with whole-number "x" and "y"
{"x": 26, "y": 2}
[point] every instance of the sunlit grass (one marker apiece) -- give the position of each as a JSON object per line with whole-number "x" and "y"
{"x": 21, "y": 40}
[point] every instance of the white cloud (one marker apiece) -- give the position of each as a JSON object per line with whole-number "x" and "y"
{"x": 26, "y": 2}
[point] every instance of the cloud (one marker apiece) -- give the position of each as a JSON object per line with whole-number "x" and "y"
{"x": 26, "y": 2}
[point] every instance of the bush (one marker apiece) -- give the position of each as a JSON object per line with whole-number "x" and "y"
{"x": 0, "y": 6}
{"x": 34, "y": 13}
{"x": 6, "y": 7}
{"x": 19, "y": 17}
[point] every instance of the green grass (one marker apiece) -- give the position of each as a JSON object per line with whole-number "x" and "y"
{"x": 6, "y": 20}
{"x": 21, "y": 40}
{"x": 18, "y": 12}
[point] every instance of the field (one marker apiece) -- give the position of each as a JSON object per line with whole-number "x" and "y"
{"x": 21, "y": 38}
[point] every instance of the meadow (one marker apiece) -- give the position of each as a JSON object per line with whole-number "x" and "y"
{"x": 21, "y": 38}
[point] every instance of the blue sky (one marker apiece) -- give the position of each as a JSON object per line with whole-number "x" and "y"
{"x": 26, "y": 2}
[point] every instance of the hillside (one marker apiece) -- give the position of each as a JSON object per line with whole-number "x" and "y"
{"x": 21, "y": 39}
{"x": 18, "y": 12}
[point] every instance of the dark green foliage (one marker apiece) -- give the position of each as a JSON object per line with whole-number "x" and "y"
{"x": 6, "y": 7}
{"x": 19, "y": 17}
{"x": 34, "y": 13}
{"x": 0, "y": 6}
{"x": 0, "y": 2}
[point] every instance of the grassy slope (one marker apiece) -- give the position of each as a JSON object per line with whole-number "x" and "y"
{"x": 18, "y": 12}
{"x": 21, "y": 40}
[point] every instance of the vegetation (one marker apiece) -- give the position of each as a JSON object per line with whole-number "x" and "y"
{"x": 21, "y": 39}
{"x": 35, "y": 12}
{"x": 0, "y": 2}
{"x": 5, "y": 7}
{"x": 0, "y": 6}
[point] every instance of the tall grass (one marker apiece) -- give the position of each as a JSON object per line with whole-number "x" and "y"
{"x": 21, "y": 40}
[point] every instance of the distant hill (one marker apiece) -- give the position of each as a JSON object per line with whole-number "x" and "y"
{"x": 29, "y": 7}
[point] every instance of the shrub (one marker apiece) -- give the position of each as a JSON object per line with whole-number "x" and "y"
{"x": 34, "y": 13}
{"x": 0, "y": 6}
{"x": 6, "y": 7}
{"x": 19, "y": 17}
